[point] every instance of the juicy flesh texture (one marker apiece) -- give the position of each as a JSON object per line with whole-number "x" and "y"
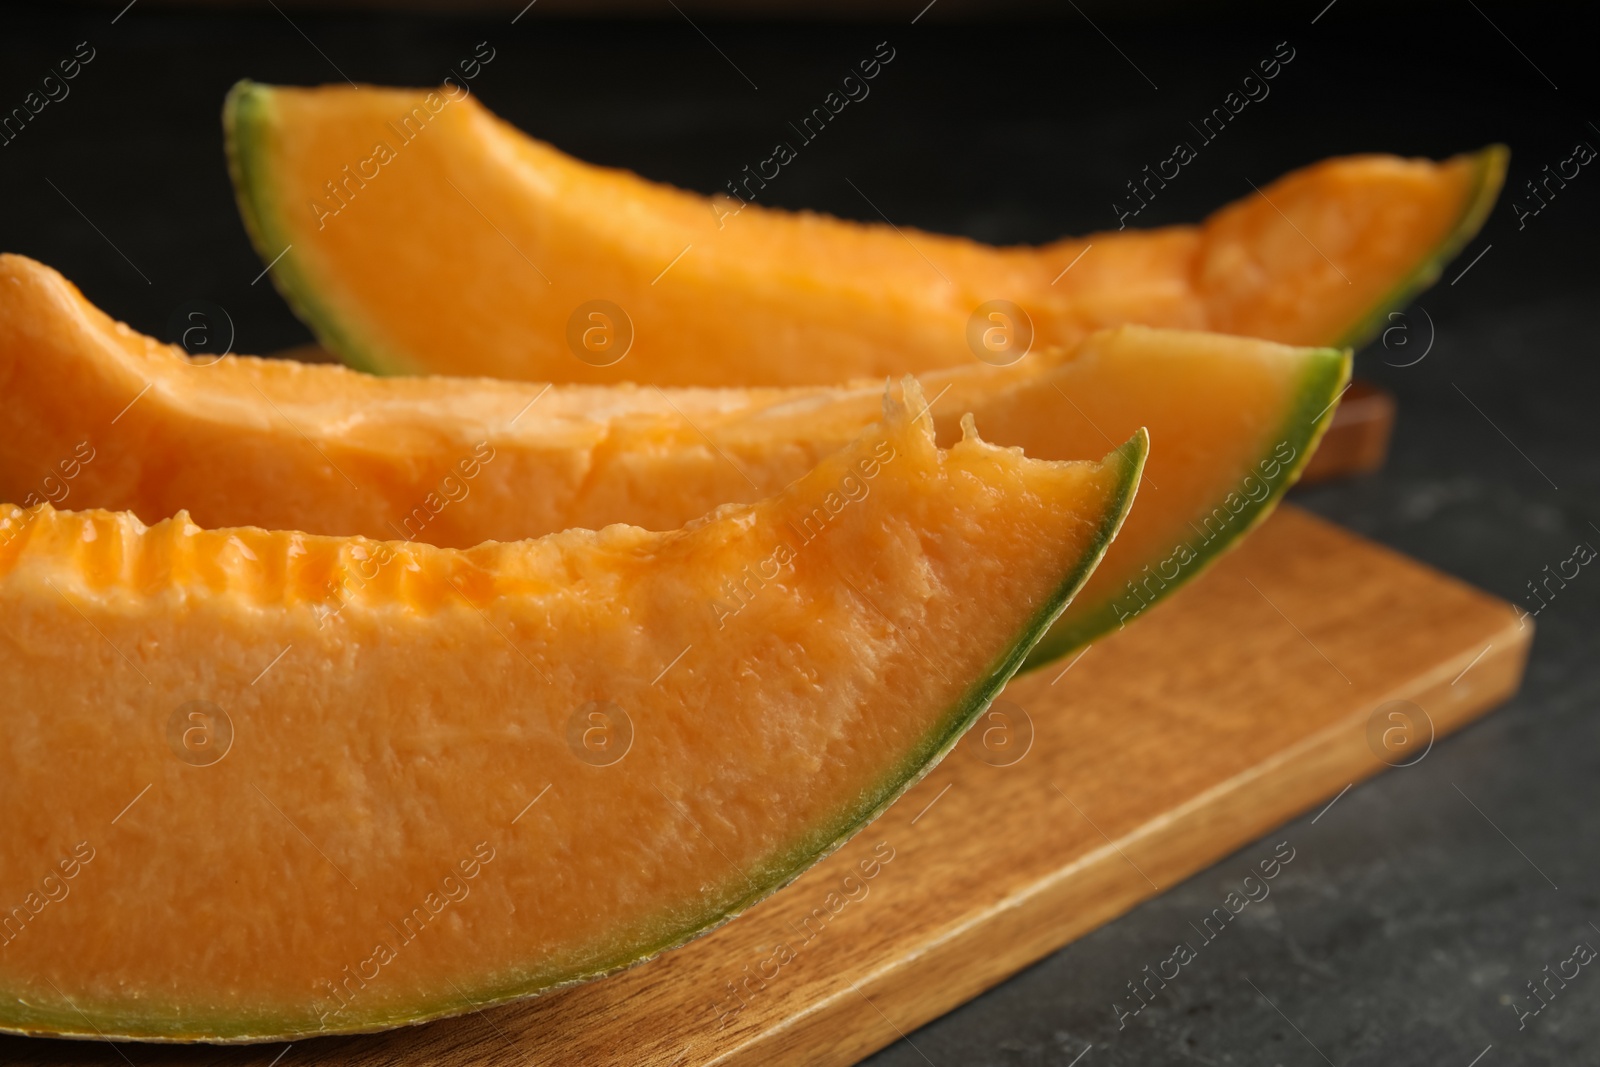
{"x": 381, "y": 771}
{"x": 224, "y": 440}
{"x": 470, "y": 248}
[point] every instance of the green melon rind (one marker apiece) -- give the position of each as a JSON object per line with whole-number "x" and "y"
{"x": 1128, "y": 459}
{"x": 1489, "y": 175}
{"x": 1321, "y": 383}
{"x": 247, "y": 122}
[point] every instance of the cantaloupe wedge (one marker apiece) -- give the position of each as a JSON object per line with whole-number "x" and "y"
{"x": 417, "y": 233}
{"x": 454, "y": 461}
{"x": 456, "y": 777}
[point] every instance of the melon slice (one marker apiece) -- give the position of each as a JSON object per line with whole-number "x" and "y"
{"x": 417, "y": 233}
{"x": 266, "y": 784}
{"x": 453, "y": 461}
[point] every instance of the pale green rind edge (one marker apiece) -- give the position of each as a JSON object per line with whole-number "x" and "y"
{"x": 246, "y": 121}
{"x": 1130, "y": 457}
{"x": 1489, "y": 175}
{"x": 1321, "y": 383}
{"x": 1073, "y": 633}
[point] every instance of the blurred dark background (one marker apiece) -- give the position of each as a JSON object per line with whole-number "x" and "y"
{"x": 1400, "y": 936}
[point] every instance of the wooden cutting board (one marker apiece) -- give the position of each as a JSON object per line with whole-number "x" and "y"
{"x": 1260, "y": 691}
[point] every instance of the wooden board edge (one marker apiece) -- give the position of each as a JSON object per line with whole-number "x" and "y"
{"x": 1357, "y": 441}
{"x": 870, "y": 1014}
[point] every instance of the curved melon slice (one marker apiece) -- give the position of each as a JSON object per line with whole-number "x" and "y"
{"x": 420, "y": 234}
{"x": 459, "y": 777}
{"x": 456, "y": 462}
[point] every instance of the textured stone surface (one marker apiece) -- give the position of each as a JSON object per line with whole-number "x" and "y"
{"x": 1407, "y": 918}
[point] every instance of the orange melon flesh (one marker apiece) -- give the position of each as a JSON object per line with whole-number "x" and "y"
{"x": 417, "y": 233}
{"x": 403, "y": 827}
{"x": 270, "y": 443}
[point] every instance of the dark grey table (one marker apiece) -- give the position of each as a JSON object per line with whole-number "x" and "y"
{"x": 1419, "y": 907}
